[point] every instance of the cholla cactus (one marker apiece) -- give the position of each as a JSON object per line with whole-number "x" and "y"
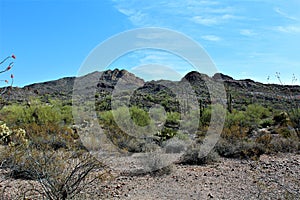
{"x": 9, "y": 66}
{"x": 5, "y": 133}
{"x": 12, "y": 137}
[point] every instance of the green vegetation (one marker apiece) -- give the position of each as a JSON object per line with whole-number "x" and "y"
{"x": 41, "y": 131}
{"x": 38, "y": 143}
{"x": 254, "y": 128}
{"x": 54, "y": 112}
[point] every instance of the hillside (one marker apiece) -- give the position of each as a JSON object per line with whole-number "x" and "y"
{"x": 240, "y": 92}
{"x": 159, "y": 155}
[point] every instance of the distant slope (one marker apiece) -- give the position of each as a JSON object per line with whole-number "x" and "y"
{"x": 242, "y": 92}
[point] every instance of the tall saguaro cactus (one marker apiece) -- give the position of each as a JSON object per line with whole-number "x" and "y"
{"x": 229, "y": 103}
{"x": 7, "y": 68}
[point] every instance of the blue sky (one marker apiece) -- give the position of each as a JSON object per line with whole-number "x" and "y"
{"x": 245, "y": 38}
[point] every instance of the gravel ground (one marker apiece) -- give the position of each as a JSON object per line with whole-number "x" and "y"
{"x": 271, "y": 177}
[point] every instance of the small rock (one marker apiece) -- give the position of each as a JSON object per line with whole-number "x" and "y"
{"x": 118, "y": 186}
{"x": 210, "y": 196}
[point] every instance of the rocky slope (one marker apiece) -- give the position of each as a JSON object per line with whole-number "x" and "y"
{"x": 241, "y": 92}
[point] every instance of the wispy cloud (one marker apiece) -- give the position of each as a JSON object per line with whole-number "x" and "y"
{"x": 247, "y": 32}
{"x": 213, "y": 38}
{"x": 285, "y": 15}
{"x": 288, "y": 29}
{"x": 155, "y": 62}
{"x": 213, "y": 20}
{"x": 200, "y": 12}
{"x": 224, "y": 28}
{"x": 127, "y": 12}
{"x": 207, "y": 21}
{"x": 156, "y": 72}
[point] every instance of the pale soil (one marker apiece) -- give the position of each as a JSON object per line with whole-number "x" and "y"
{"x": 271, "y": 177}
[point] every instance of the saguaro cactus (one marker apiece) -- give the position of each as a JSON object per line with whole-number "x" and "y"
{"x": 229, "y": 103}
{"x": 8, "y": 67}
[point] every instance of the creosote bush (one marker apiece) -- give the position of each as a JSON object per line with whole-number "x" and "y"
{"x": 52, "y": 136}
{"x": 38, "y": 144}
{"x": 193, "y": 156}
{"x": 241, "y": 149}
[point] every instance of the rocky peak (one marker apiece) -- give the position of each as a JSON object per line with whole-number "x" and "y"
{"x": 113, "y": 75}
{"x": 195, "y": 76}
{"x": 222, "y": 77}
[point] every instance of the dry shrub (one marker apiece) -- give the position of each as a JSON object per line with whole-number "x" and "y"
{"x": 194, "y": 156}
{"x": 58, "y": 174}
{"x": 239, "y": 149}
{"x": 52, "y": 136}
{"x": 284, "y": 145}
{"x": 264, "y": 139}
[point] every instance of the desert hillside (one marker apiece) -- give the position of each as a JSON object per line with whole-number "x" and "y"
{"x": 112, "y": 135}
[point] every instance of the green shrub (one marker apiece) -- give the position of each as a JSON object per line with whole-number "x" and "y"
{"x": 206, "y": 117}
{"x": 236, "y": 118}
{"x": 139, "y": 116}
{"x": 173, "y": 117}
{"x": 18, "y": 115}
{"x": 266, "y": 122}
{"x": 258, "y": 111}
{"x": 106, "y": 118}
{"x": 167, "y": 133}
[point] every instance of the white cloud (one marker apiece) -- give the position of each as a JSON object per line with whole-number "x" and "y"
{"x": 126, "y": 12}
{"x": 205, "y": 20}
{"x": 223, "y": 26}
{"x": 213, "y": 19}
{"x": 160, "y": 13}
{"x": 156, "y": 72}
{"x": 247, "y": 32}
{"x": 288, "y": 29}
{"x": 211, "y": 38}
{"x": 284, "y": 14}
{"x": 139, "y": 18}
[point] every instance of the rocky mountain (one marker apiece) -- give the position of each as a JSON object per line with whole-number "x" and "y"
{"x": 239, "y": 92}
{"x": 63, "y": 88}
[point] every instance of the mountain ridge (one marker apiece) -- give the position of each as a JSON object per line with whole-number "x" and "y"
{"x": 243, "y": 92}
